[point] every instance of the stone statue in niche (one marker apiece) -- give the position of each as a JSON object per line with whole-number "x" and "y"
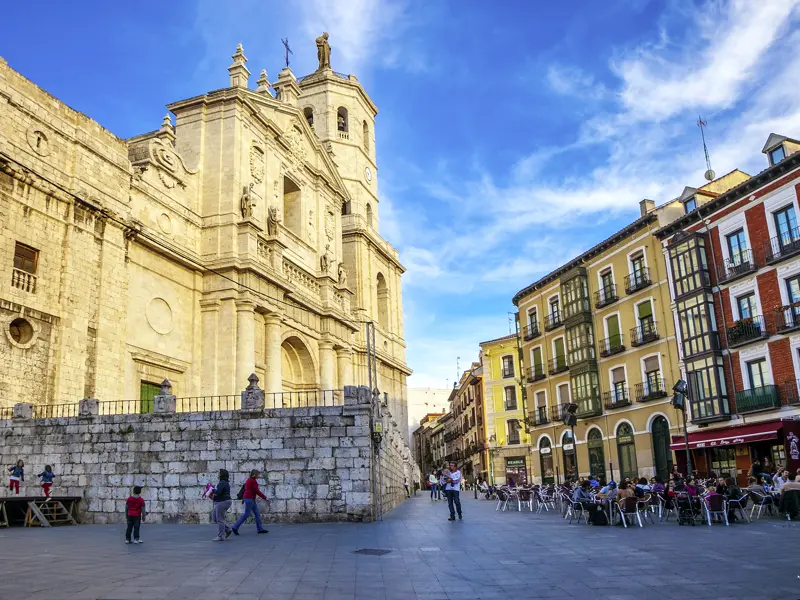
{"x": 272, "y": 220}
{"x": 246, "y": 203}
{"x": 323, "y": 51}
{"x": 342, "y": 275}
{"x": 312, "y": 231}
{"x": 330, "y": 225}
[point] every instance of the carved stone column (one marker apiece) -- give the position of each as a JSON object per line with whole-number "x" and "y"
{"x": 273, "y": 383}
{"x": 344, "y": 360}
{"x": 327, "y": 366}
{"x": 245, "y": 339}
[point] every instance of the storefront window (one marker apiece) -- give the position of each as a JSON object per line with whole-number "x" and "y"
{"x": 778, "y": 455}
{"x": 597, "y": 457}
{"x": 723, "y": 461}
{"x": 516, "y": 470}
{"x": 568, "y": 449}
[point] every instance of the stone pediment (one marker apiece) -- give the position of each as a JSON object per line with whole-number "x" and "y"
{"x": 152, "y": 151}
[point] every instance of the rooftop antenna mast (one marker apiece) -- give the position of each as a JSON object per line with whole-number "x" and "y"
{"x": 458, "y": 369}
{"x": 709, "y": 174}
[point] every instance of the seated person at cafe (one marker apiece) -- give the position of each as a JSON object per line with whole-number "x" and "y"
{"x": 756, "y": 491}
{"x": 581, "y": 496}
{"x": 691, "y": 487}
{"x": 608, "y": 491}
{"x": 625, "y": 491}
{"x": 781, "y": 478}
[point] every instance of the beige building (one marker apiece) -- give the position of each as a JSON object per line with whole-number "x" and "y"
{"x": 508, "y": 442}
{"x": 242, "y": 239}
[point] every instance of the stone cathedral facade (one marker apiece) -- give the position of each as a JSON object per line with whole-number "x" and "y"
{"x": 244, "y": 238}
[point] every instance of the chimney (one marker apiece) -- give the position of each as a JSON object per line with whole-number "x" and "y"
{"x": 646, "y": 206}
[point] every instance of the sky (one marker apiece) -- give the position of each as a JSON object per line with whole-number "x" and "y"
{"x": 511, "y": 135}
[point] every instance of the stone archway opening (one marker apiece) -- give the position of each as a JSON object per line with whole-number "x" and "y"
{"x": 298, "y": 371}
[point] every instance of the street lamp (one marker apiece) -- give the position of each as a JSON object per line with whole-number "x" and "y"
{"x": 680, "y": 389}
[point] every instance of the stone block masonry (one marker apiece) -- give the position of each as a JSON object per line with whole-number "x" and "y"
{"x": 316, "y": 462}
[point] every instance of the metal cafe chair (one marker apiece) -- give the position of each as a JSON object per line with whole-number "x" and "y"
{"x": 576, "y": 510}
{"x": 740, "y": 504}
{"x": 544, "y": 500}
{"x": 715, "y": 506}
{"x": 630, "y": 510}
{"x": 760, "y": 501}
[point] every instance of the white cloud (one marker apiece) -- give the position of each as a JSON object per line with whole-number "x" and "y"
{"x": 572, "y": 81}
{"x": 717, "y": 59}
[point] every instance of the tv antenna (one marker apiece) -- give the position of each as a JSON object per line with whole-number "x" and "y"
{"x": 709, "y": 174}
{"x": 458, "y": 368}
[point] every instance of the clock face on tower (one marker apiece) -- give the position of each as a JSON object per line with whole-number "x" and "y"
{"x": 368, "y": 173}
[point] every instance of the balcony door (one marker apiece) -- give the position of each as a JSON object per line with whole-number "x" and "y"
{"x": 757, "y": 373}
{"x": 747, "y": 306}
{"x": 793, "y": 294}
{"x": 786, "y": 225}
{"x": 546, "y": 461}
{"x": 737, "y": 245}
{"x": 614, "y": 338}
{"x": 597, "y": 456}
{"x": 626, "y": 449}
{"x": 661, "y": 452}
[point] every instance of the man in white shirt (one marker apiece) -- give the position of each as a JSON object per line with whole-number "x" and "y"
{"x": 452, "y": 489}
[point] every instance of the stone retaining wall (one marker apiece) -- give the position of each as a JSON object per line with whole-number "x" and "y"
{"x": 315, "y": 461}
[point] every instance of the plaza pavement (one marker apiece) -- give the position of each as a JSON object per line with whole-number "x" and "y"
{"x": 489, "y": 555}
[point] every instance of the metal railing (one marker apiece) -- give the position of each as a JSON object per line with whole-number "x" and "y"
{"x": 552, "y": 321}
{"x": 612, "y": 345}
{"x": 536, "y": 373}
{"x": 747, "y": 330}
{"x": 605, "y": 296}
{"x": 616, "y": 398}
{"x": 557, "y": 411}
{"x": 55, "y": 411}
{"x": 644, "y": 333}
{"x": 540, "y": 416}
{"x": 530, "y": 331}
{"x": 637, "y": 280}
{"x": 22, "y": 280}
{"x": 783, "y": 246}
{"x": 6, "y": 413}
{"x": 758, "y": 398}
{"x": 650, "y": 390}
{"x": 788, "y": 317}
{"x": 738, "y": 266}
{"x": 557, "y": 365}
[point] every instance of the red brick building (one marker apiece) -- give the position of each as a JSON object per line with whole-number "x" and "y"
{"x": 735, "y": 281}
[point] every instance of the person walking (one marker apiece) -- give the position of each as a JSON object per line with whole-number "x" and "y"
{"x": 134, "y": 509}
{"x": 433, "y": 484}
{"x": 452, "y": 489}
{"x": 251, "y": 493}
{"x": 222, "y": 502}
{"x": 405, "y": 485}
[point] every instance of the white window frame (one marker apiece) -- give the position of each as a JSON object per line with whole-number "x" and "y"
{"x": 557, "y": 295}
{"x": 776, "y": 201}
{"x": 502, "y": 365}
{"x": 617, "y": 366}
{"x": 535, "y": 311}
{"x": 787, "y": 272}
{"x": 749, "y": 355}
{"x": 600, "y": 272}
{"x": 544, "y": 358}
{"x": 729, "y": 226}
{"x": 569, "y": 391}
{"x": 643, "y": 250}
{"x": 743, "y": 289}
{"x": 516, "y": 398}
{"x": 563, "y": 339}
{"x": 660, "y": 365}
{"x": 605, "y": 323}
{"x": 546, "y": 401}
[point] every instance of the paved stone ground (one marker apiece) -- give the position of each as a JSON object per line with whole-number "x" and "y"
{"x": 489, "y": 555}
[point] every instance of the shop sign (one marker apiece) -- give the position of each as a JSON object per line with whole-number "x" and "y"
{"x": 721, "y": 442}
{"x": 793, "y": 443}
{"x": 568, "y": 447}
{"x": 515, "y": 462}
{"x": 625, "y": 438}
{"x": 545, "y": 449}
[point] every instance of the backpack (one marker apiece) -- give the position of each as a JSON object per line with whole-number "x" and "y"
{"x": 240, "y": 495}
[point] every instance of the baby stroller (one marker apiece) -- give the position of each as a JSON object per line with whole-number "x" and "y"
{"x": 686, "y": 509}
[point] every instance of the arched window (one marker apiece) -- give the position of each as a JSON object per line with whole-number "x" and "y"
{"x": 597, "y": 456}
{"x": 546, "y": 461}
{"x": 341, "y": 119}
{"x": 365, "y": 135}
{"x": 309, "y": 114}
{"x": 626, "y": 450}
{"x": 568, "y": 450}
{"x": 369, "y": 215}
{"x": 661, "y": 454}
{"x": 383, "y": 301}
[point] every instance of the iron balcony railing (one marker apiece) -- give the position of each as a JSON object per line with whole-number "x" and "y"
{"x": 638, "y": 280}
{"x": 747, "y": 330}
{"x": 783, "y": 246}
{"x": 738, "y": 266}
{"x": 536, "y": 373}
{"x": 651, "y": 389}
{"x": 605, "y": 296}
{"x": 645, "y": 333}
{"x": 788, "y": 318}
{"x": 530, "y": 331}
{"x": 612, "y": 345}
{"x": 540, "y": 416}
{"x": 759, "y": 398}
{"x": 616, "y": 398}
{"x": 552, "y": 321}
{"x": 557, "y": 365}
{"x": 557, "y": 412}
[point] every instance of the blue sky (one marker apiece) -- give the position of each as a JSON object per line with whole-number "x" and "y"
{"x": 511, "y": 136}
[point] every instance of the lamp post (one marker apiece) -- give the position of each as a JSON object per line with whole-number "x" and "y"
{"x": 680, "y": 389}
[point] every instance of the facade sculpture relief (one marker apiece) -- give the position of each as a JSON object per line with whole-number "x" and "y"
{"x": 246, "y": 202}
{"x": 323, "y": 52}
{"x": 272, "y": 220}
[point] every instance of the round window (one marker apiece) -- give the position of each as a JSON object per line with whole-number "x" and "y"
{"x": 21, "y": 331}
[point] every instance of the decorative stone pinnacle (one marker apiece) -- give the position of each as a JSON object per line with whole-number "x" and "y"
{"x": 253, "y": 379}
{"x": 238, "y": 71}
{"x": 262, "y": 82}
{"x": 167, "y": 122}
{"x": 166, "y": 388}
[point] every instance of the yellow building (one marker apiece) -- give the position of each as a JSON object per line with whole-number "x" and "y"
{"x": 599, "y": 332}
{"x": 508, "y": 442}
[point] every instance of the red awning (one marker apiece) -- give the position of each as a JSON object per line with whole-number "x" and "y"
{"x": 728, "y": 436}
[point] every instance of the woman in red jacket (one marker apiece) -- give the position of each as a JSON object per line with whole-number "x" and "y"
{"x": 251, "y": 492}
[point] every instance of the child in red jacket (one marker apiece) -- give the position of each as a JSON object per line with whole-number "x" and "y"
{"x": 134, "y": 507}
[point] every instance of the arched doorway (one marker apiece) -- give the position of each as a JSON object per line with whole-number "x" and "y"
{"x": 597, "y": 455}
{"x": 299, "y": 373}
{"x": 546, "y": 461}
{"x": 568, "y": 450}
{"x": 626, "y": 450}
{"x": 662, "y": 457}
